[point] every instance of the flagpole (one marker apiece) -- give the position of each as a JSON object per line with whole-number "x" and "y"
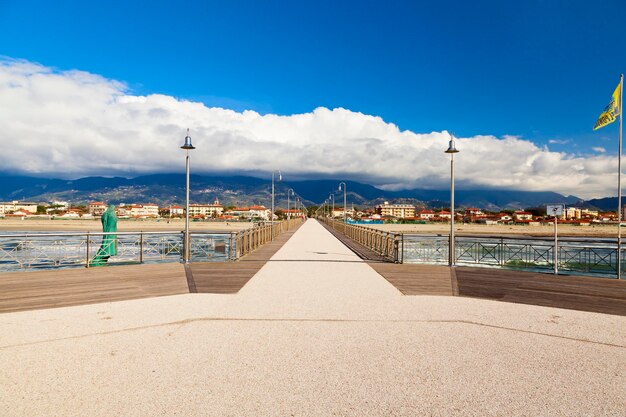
{"x": 619, "y": 180}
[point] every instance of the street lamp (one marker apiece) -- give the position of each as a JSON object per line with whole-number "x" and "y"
{"x": 451, "y": 150}
{"x": 345, "y": 212}
{"x": 280, "y": 177}
{"x": 332, "y": 213}
{"x": 289, "y": 192}
{"x": 187, "y": 147}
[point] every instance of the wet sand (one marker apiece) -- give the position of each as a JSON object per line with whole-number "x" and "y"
{"x": 94, "y": 225}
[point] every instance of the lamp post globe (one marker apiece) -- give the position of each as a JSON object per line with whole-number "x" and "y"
{"x": 342, "y": 187}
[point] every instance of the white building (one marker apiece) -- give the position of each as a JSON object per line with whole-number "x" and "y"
{"x": 338, "y": 212}
{"x": 13, "y": 206}
{"x": 206, "y": 210}
{"x": 572, "y": 213}
{"x": 522, "y": 216}
{"x": 138, "y": 210}
{"x": 177, "y": 211}
{"x": 401, "y": 211}
{"x": 252, "y": 212}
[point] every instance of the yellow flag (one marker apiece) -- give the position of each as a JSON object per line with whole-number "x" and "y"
{"x": 611, "y": 111}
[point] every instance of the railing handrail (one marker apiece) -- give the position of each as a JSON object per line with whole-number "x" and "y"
{"x": 173, "y": 232}
{"x": 516, "y": 237}
{"x": 385, "y": 244}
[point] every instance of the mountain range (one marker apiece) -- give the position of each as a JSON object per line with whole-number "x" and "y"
{"x": 165, "y": 189}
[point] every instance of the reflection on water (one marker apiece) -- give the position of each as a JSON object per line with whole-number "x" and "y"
{"x": 44, "y": 250}
{"x": 593, "y": 256}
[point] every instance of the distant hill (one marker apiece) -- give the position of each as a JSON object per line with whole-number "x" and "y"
{"x": 245, "y": 190}
{"x": 602, "y": 204}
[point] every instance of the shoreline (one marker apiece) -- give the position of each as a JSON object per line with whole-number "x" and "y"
{"x": 123, "y": 225}
{"x": 469, "y": 229}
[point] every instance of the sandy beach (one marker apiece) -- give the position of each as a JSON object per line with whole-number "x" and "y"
{"x": 125, "y": 225}
{"x": 94, "y": 225}
{"x": 500, "y": 230}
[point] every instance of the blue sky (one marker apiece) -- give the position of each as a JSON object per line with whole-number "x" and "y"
{"x": 540, "y": 70}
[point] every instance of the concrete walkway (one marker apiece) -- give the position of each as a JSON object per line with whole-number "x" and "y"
{"x": 315, "y": 332}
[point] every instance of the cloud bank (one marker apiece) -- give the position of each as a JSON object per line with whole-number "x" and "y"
{"x": 73, "y": 123}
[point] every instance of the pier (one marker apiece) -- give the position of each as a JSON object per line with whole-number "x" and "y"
{"x": 306, "y": 325}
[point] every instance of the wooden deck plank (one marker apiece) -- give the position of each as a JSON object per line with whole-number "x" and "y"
{"x": 600, "y": 295}
{"x": 230, "y": 277}
{"x": 46, "y": 289}
{"x": 572, "y": 292}
{"x": 416, "y": 279}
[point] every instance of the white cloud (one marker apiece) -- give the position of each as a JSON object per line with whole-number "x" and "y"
{"x": 559, "y": 141}
{"x": 71, "y": 123}
{"x": 599, "y": 149}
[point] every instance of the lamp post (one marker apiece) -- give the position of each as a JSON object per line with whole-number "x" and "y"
{"x": 187, "y": 147}
{"x": 280, "y": 177}
{"x": 332, "y": 212}
{"x": 451, "y": 150}
{"x": 345, "y": 212}
{"x": 289, "y": 192}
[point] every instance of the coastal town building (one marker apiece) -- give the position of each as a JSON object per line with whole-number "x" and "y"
{"x": 13, "y": 206}
{"x": 444, "y": 215}
{"x": 504, "y": 218}
{"x": 572, "y": 213}
{"x": 473, "y": 214}
{"x": 177, "y": 210}
{"x": 71, "y": 214}
{"x": 522, "y": 216}
{"x": 295, "y": 213}
{"x": 427, "y": 214}
{"x": 97, "y": 208}
{"x": 401, "y": 211}
{"x": 589, "y": 214}
{"x": 250, "y": 213}
{"x": 339, "y": 213}
{"x": 138, "y": 210}
{"x": 206, "y": 210}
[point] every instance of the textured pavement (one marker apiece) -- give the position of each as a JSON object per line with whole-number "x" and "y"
{"x": 316, "y": 332}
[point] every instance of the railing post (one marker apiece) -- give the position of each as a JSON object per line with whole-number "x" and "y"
{"x": 141, "y": 247}
{"x": 87, "y": 252}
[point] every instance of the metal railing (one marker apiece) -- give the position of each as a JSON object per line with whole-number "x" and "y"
{"x": 31, "y": 251}
{"x": 386, "y": 244}
{"x": 248, "y": 240}
{"x": 582, "y": 256}
{"x": 576, "y": 256}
